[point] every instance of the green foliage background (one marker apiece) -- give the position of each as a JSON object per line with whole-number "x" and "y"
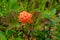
{"x": 49, "y": 10}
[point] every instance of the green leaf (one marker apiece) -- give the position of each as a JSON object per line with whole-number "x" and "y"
{"x": 58, "y": 37}
{"x": 19, "y": 33}
{"x": 58, "y": 27}
{"x": 13, "y": 1}
{"x": 19, "y": 38}
{"x": 1, "y": 12}
{"x": 2, "y": 36}
{"x": 48, "y": 39}
{"x": 10, "y": 32}
{"x": 53, "y": 12}
{"x": 14, "y": 6}
{"x": 2, "y": 33}
{"x": 47, "y": 16}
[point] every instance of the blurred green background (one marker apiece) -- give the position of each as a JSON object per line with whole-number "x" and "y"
{"x": 46, "y": 19}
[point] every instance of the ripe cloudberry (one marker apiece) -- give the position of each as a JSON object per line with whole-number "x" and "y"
{"x": 25, "y": 17}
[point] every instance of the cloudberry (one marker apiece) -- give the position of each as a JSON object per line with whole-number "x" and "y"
{"x": 25, "y": 17}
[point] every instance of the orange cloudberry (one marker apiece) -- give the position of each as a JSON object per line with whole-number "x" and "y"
{"x": 25, "y": 17}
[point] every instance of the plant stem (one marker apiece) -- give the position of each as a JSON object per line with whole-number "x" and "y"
{"x": 44, "y": 32}
{"x": 49, "y": 31}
